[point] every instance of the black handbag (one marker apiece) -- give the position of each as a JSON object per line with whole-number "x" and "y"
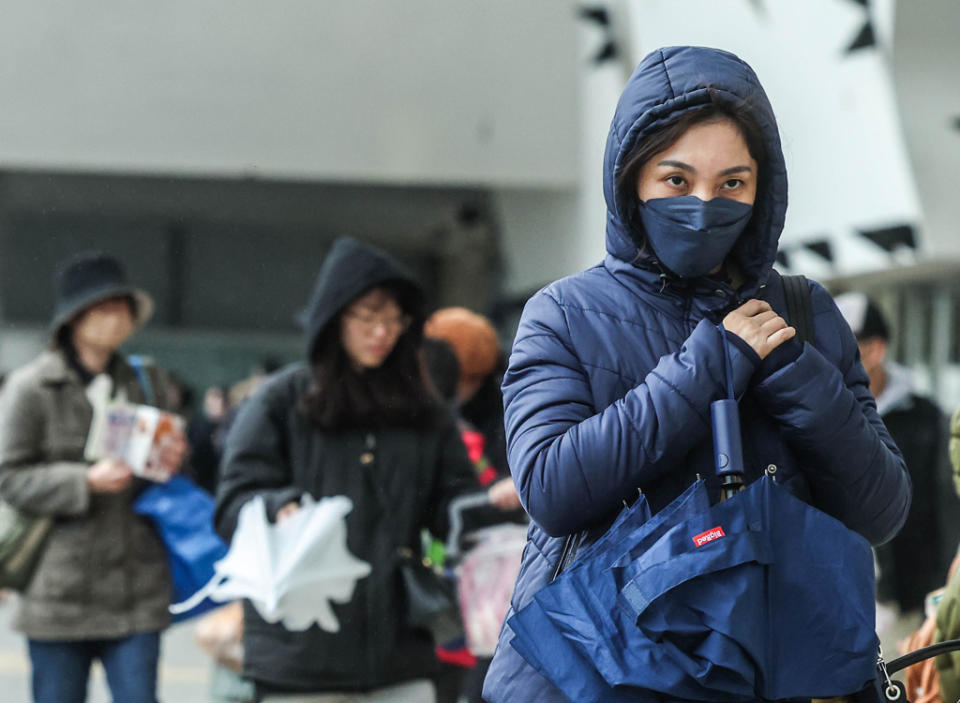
{"x": 431, "y": 599}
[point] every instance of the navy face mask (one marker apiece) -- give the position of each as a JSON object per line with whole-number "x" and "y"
{"x": 692, "y": 237}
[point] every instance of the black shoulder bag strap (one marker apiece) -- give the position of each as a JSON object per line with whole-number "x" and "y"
{"x": 796, "y": 291}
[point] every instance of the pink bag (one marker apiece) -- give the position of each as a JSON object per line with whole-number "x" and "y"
{"x": 486, "y": 578}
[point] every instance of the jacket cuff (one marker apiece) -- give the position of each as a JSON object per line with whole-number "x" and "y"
{"x": 744, "y": 348}
{"x": 82, "y": 504}
{"x": 76, "y": 494}
{"x": 785, "y": 354}
{"x": 274, "y": 500}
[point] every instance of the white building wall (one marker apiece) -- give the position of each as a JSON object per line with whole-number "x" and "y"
{"x": 474, "y": 91}
{"x": 926, "y": 66}
{"x": 540, "y": 236}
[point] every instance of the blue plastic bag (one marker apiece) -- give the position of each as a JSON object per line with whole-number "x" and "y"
{"x": 182, "y": 513}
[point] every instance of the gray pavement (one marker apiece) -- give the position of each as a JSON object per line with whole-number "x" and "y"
{"x": 184, "y": 668}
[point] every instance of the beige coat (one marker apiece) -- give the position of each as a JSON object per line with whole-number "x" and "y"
{"x": 103, "y": 573}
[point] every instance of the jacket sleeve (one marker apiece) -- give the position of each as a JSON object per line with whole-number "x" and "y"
{"x": 27, "y": 482}
{"x": 828, "y": 416}
{"x": 573, "y": 462}
{"x": 255, "y": 462}
{"x": 454, "y": 477}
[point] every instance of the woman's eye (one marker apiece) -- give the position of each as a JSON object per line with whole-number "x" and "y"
{"x": 675, "y": 181}
{"x": 732, "y": 184}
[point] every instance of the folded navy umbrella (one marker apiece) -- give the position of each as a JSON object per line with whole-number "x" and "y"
{"x": 592, "y": 583}
{"x": 758, "y": 597}
{"x": 558, "y": 661}
{"x": 577, "y": 624}
{"x": 534, "y": 634}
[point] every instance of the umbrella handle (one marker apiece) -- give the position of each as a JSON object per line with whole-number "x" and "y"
{"x": 725, "y": 419}
{"x": 727, "y": 446}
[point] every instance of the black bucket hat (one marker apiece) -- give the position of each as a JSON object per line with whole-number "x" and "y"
{"x": 89, "y": 278}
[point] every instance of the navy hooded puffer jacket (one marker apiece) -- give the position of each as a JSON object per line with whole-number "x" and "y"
{"x": 613, "y": 371}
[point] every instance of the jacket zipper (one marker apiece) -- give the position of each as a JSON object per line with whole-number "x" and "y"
{"x": 568, "y": 540}
{"x": 571, "y": 546}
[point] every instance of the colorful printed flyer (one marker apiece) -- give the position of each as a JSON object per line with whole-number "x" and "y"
{"x": 136, "y": 435}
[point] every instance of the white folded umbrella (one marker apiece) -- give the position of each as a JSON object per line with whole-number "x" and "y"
{"x": 291, "y": 571}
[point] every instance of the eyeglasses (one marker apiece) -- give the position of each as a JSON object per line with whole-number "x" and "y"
{"x": 368, "y": 322}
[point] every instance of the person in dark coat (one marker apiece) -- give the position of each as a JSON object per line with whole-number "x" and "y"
{"x": 915, "y": 562}
{"x": 476, "y": 392}
{"x": 613, "y": 369}
{"x": 101, "y": 588}
{"x": 358, "y": 419}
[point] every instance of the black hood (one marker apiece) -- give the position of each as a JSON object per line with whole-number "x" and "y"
{"x": 349, "y": 269}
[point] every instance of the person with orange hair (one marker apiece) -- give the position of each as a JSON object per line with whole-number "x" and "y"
{"x": 479, "y": 405}
{"x": 476, "y": 344}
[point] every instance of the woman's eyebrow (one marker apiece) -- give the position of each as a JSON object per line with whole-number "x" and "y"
{"x": 734, "y": 169}
{"x": 678, "y": 164}
{"x": 687, "y": 167}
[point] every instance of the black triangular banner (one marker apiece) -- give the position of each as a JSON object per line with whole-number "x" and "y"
{"x": 821, "y": 248}
{"x": 865, "y": 38}
{"x": 595, "y": 14}
{"x": 607, "y": 51}
{"x": 891, "y": 238}
{"x": 601, "y": 17}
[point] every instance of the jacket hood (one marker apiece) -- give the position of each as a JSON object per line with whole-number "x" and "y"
{"x": 349, "y": 269}
{"x": 666, "y": 84}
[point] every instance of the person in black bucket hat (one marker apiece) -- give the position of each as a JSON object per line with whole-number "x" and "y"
{"x": 101, "y": 588}
{"x": 89, "y": 278}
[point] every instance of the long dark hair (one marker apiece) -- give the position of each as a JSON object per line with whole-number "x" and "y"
{"x": 719, "y": 109}
{"x": 398, "y": 393}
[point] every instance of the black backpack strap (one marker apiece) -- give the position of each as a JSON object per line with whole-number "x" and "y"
{"x": 796, "y": 291}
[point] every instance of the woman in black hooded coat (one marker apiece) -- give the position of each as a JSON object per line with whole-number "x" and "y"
{"x": 360, "y": 420}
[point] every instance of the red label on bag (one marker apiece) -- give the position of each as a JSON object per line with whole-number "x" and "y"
{"x": 710, "y": 535}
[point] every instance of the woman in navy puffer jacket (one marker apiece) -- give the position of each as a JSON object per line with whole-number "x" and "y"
{"x": 613, "y": 369}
